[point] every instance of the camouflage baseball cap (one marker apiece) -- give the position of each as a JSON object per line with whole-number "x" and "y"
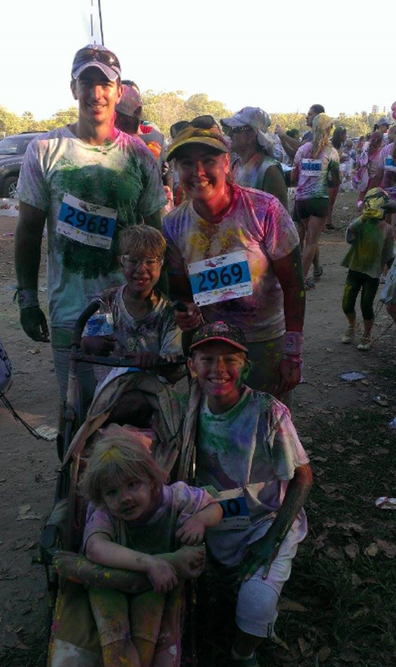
{"x": 228, "y": 333}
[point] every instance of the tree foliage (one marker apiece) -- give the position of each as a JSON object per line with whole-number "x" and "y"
{"x": 165, "y": 108}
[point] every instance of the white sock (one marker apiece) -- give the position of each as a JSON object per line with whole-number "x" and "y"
{"x": 236, "y": 656}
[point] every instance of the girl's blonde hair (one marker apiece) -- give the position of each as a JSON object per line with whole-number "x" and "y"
{"x": 116, "y": 457}
{"x": 321, "y": 126}
{"x": 142, "y": 240}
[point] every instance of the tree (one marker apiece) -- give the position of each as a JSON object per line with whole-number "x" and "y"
{"x": 200, "y": 105}
{"x": 163, "y": 109}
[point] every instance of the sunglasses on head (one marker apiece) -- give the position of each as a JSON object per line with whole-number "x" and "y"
{"x": 200, "y": 122}
{"x": 86, "y": 55}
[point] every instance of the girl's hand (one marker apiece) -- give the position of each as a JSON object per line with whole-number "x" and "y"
{"x": 189, "y": 320}
{"x": 189, "y": 561}
{"x": 162, "y": 575}
{"x": 192, "y": 531}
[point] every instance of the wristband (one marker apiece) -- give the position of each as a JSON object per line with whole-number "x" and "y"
{"x": 27, "y": 298}
{"x": 292, "y": 342}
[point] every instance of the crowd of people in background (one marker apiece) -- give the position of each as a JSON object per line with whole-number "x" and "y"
{"x": 200, "y": 243}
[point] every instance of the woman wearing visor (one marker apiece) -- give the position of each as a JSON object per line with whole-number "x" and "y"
{"x": 233, "y": 255}
{"x": 255, "y": 166}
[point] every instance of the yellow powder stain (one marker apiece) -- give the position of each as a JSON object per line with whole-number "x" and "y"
{"x": 270, "y": 344}
{"x": 107, "y": 575}
{"x": 302, "y": 294}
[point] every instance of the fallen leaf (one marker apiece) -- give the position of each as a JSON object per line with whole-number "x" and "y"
{"x": 349, "y": 525}
{"x": 371, "y": 550}
{"x": 334, "y": 553}
{"x": 35, "y": 350}
{"x": 356, "y": 580}
{"x": 330, "y": 523}
{"x": 352, "y": 550}
{"x": 338, "y": 448}
{"x": 349, "y": 655}
{"x": 303, "y": 644}
{"x": 290, "y": 605}
{"x": 388, "y": 548}
{"x": 324, "y": 653}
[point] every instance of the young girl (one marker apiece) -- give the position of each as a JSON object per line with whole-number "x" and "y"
{"x": 132, "y": 522}
{"x": 316, "y": 164}
{"x": 144, "y": 326}
{"x": 372, "y": 248}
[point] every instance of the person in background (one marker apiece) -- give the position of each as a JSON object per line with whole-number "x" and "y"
{"x": 255, "y": 166}
{"x": 372, "y": 248}
{"x": 368, "y": 172}
{"x": 316, "y": 163}
{"x": 87, "y": 180}
{"x": 382, "y": 126}
{"x": 338, "y": 139}
{"x": 291, "y": 146}
{"x": 129, "y": 120}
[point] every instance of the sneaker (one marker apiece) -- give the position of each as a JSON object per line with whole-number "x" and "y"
{"x": 244, "y": 662}
{"x": 364, "y": 343}
{"x": 309, "y": 284}
{"x": 349, "y": 335}
{"x": 318, "y": 273}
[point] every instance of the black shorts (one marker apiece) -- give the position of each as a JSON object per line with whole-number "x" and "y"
{"x": 318, "y": 207}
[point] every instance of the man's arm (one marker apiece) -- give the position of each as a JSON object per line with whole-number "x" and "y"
{"x": 289, "y": 272}
{"x": 28, "y": 238}
{"x": 265, "y": 550}
{"x": 289, "y": 144}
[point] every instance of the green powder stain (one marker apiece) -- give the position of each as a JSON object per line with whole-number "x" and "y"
{"x": 96, "y": 184}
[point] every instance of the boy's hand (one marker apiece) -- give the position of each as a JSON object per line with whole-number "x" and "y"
{"x": 190, "y": 561}
{"x": 101, "y": 346}
{"x": 143, "y": 360}
{"x": 192, "y": 531}
{"x": 190, "y": 319}
{"x": 162, "y": 575}
{"x": 262, "y": 552}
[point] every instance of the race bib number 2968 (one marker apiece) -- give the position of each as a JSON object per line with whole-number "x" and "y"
{"x": 86, "y": 223}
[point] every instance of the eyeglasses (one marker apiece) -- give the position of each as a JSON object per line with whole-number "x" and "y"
{"x": 201, "y": 122}
{"x": 146, "y": 262}
{"x": 237, "y": 130}
{"x": 106, "y": 57}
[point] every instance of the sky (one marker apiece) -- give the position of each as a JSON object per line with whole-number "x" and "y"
{"x": 280, "y": 56}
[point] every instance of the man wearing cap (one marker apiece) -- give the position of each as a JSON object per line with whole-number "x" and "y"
{"x": 88, "y": 180}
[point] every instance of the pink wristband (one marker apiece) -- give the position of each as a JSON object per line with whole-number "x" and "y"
{"x": 292, "y": 343}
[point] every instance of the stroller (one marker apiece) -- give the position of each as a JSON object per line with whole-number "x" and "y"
{"x": 155, "y": 414}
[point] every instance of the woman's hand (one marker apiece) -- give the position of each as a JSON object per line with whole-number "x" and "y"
{"x": 162, "y": 575}
{"x": 290, "y": 368}
{"x": 192, "y": 531}
{"x": 190, "y": 319}
{"x": 101, "y": 346}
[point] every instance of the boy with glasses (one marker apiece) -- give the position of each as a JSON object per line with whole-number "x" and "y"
{"x": 143, "y": 318}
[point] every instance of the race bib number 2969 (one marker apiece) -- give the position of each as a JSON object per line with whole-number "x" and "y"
{"x": 86, "y": 223}
{"x": 220, "y": 278}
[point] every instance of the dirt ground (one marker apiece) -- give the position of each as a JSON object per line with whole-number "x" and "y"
{"x": 28, "y": 466}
